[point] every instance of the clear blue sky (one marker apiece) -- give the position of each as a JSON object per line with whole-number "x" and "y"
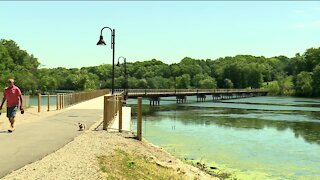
{"x": 64, "y": 34}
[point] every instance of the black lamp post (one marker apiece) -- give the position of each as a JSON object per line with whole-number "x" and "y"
{"x": 125, "y": 77}
{"x": 101, "y": 42}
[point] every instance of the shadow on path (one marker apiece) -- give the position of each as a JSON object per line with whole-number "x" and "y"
{"x": 33, "y": 141}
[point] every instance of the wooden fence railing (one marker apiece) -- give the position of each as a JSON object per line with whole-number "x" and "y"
{"x": 112, "y": 108}
{"x": 66, "y": 99}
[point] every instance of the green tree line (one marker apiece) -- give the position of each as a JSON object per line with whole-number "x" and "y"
{"x": 280, "y": 75}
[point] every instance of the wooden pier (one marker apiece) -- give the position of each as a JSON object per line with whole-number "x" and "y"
{"x": 154, "y": 95}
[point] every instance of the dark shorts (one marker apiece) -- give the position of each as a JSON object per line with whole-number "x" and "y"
{"x": 12, "y": 111}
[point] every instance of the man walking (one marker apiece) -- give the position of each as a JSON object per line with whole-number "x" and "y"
{"x": 13, "y": 96}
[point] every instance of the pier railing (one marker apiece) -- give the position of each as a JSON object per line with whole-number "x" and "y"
{"x": 64, "y": 100}
{"x": 172, "y": 92}
{"x": 112, "y": 108}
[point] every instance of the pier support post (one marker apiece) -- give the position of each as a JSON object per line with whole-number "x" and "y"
{"x": 201, "y": 98}
{"x": 106, "y": 111}
{"x": 181, "y": 99}
{"x": 62, "y": 101}
{"x": 120, "y": 114}
{"x": 154, "y": 101}
{"x": 39, "y": 102}
{"x": 139, "y": 119}
{"x": 57, "y": 103}
{"x": 48, "y": 102}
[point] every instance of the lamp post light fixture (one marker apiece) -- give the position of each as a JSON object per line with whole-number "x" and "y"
{"x": 125, "y": 76}
{"x": 101, "y": 42}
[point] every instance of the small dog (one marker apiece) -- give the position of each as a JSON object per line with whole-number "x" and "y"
{"x": 82, "y": 126}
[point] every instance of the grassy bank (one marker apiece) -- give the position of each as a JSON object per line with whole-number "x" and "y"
{"x": 123, "y": 165}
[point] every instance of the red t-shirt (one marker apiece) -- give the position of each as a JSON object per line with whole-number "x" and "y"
{"x": 12, "y": 96}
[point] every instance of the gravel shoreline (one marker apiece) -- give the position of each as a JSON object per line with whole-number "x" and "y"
{"x": 77, "y": 159}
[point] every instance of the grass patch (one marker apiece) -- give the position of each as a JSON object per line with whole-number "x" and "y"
{"x": 122, "y": 165}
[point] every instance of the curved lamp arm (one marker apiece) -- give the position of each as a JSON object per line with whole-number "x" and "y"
{"x": 101, "y": 41}
{"x": 124, "y": 59}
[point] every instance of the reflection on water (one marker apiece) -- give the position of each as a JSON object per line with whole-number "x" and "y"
{"x": 265, "y": 142}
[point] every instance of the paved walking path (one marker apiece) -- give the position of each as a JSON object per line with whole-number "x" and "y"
{"x": 33, "y": 140}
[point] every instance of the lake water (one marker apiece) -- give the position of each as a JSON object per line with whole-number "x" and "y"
{"x": 251, "y": 138}
{"x": 44, "y": 100}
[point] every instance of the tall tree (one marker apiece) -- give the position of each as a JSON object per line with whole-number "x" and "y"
{"x": 316, "y": 81}
{"x": 304, "y": 84}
